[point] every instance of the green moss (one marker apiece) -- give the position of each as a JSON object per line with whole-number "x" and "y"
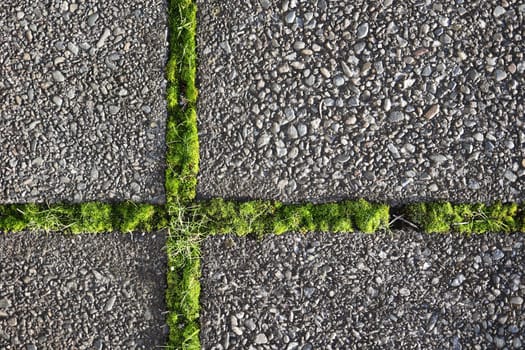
{"x": 12, "y": 218}
{"x": 368, "y": 217}
{"x": 94, "y": 218}
{"x": 132, "y": 217}
{"x": 466, "y": 218}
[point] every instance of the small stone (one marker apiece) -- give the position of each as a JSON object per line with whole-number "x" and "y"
{"x": 342, "y": 158}
{"x": 478, "y": 137}
{"x": 516, "y": 300}
{"x": 292, "y": 132}
{"x": 498, "y": 11}
{"x": 3, "y": 315}
{"x": 438, "y": 158}
{"x": 302, "y": 129}
{"x": 325, "y": 72}
{"x": 265, "y": 4}
{"x": 393, "y": 150}
{"x": 261, "y": 339}
{"x": 290, "y": 17}
{"x": 292, "y": 346}
{"x": 103, "y": 38}
{"x": 432, "y": 112}
{"x": 73, "y": 48}
{"x": 499, "y": 342}
{"x": 366, "y": 68}
{"x": 427, "y": 71}
{"x": 339, "y": 81}
{"x": 509, "y": 175}
{"x": 250, "y": 324}
{"x": 30, "y": 347}
{"x": 297, "y": 65}
{"x": 387, "y": 104}
{"x": 396, "y": 116}
{"x": 5, "y": 303}
{"x": 511, "y": 68}
{"x": 362, "y": 30}
{"x": 285, "y": 68}
{"x": 404, "y": 292}
{"x": 346, "y": 69}
{"x": 114, "y": 109}
{"x": 458, "y": 281}
{"x": 500, "y": 75}
{"x": 263, "y": 140}
{"x": 98, "y": 344}
{"x": 237, "y": 330}
{"x": 58, "y": 76}
{"x": 12, "y": 322}
{"x": 110, "y": 303}
{"x": 299, "y": 45}
{"x": 92, "y": 19}
{"x": 57, "y": 101}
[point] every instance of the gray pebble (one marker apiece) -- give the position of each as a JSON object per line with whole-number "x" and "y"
{"x": 58, "y": 76}
{"x": 500, "y": 74}
{"x": 261, "y": 339}
{"x": 396, "y": 116}
{"x": 362, "y": 30}
{"x": 498, "y": 11}
{"x": 92, "y": 19}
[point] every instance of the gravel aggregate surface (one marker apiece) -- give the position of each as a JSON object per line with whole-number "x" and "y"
{"x": 388, "y": 100}
{"x": 104, "y": 291}
{"x": 83, "y": 110}
{"x": 401, "y": 289}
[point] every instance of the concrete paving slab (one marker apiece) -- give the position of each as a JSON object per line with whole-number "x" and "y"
{"x": 104, "y": 291}
{"x": 83, "y": 109}
{"x": 323, "y": 100}
{"x": 400, "y": 289}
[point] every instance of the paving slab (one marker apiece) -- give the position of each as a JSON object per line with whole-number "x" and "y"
{"x": 104, "y": 291}
{"x": 83, "y": 100}
{"x": 400, "y": 289}
{"x": 322, "y": 100}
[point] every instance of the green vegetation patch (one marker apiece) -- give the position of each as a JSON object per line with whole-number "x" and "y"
{"x": 181, "y": 132}
{"x": 267, "y": 217}
{"x": 443, "y": 217}
{"x": 90, "y": 217}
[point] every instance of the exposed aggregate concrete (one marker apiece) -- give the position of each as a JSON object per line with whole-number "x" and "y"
{"x": 104, "y": 291}
{"x": 398, "y": 290}
{"x": 83, "y": 100}
{"x": 306, "y": 100}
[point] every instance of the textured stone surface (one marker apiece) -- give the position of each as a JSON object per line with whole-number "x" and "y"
{"x": 104, "y": 291}
{"x": 399, "y": 289}
{"x": 83, "y": 111}
{"x": 320, "y": 100}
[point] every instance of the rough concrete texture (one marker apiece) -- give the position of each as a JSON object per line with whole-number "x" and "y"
{"x": 395, "y": 290}
{"x": 82, "y": 292}
{"x": 83, "y": 111}
{"x": 387, "y": 100}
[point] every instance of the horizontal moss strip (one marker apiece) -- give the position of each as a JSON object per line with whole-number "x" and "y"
{"x": 266, "y": 217}
{"x": 443, "y": 217}
{"x": 90, "y": 217}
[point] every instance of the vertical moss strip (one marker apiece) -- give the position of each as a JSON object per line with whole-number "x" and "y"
{"x": 181, "y": 132}
{"x": 181, "y": 178}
